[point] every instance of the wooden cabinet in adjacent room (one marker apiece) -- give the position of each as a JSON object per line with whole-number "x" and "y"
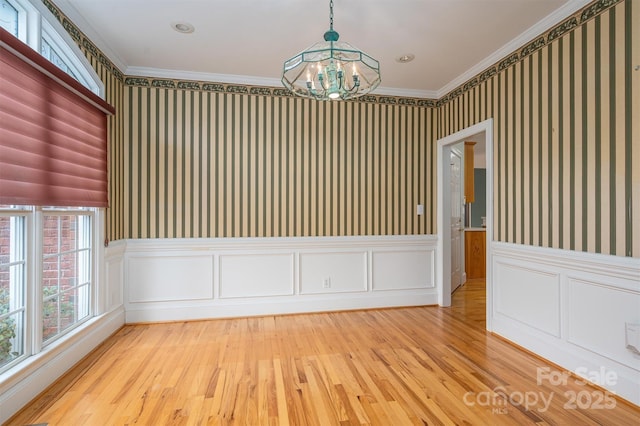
{"x": 475, "y": 253}
{"x": 469, "y": 162}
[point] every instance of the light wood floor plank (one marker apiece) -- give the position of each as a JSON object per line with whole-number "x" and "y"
{"x": 405, "y": 366}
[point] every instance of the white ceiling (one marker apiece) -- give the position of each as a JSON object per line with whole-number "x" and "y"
{"x": 247, "y": 41}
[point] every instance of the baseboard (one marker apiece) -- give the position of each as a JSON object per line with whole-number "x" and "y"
{"x": 19, "y": 386}
{"x": 278, "y": 306}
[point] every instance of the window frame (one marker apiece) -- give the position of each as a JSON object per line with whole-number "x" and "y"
{"x": 22, "y": 19}
{"x": 84, "y": 215}
{"x": 24, "y": 335}
{"x": 33, "y": 223}
{"x": 36, "y": 22}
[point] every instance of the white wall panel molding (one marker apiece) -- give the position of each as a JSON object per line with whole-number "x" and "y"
{"x": 260, "y": 245}
{"x": 597, "y": 333}
{"x": 187, "y": 279}
{"x": 626, "y": 268}
{"x": 112, "y": 287}
{"x": 256, "y": 275}
{"x": 333, "y": 272}
{"x": 406, "y": 269}
{"x": 166, "y": 278}
{"x": 590, "y": 297}
{"x": 527, "y": 295}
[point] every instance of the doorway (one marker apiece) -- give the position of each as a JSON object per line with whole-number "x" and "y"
{"x": 457, "y": 231}
{"x": 444, "y": 261}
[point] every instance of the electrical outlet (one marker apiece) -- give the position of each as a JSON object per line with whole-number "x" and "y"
{"x": 326, "y": 283}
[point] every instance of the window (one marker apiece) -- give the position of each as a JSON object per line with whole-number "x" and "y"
{"x": 48, "y": 255}
{"x": 50, "y": 53}
{"x": 32, "y": 23}
{"x": 9, "y": 17}
{"x": 66, "y": 272}
{"x": 12, "y": 287}
{"x": 42, "y": 300}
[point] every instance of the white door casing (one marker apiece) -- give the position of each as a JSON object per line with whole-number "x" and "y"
{"x": 443, "y": 261}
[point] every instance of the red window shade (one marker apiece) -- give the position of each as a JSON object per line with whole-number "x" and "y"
{"x": 53, "y": 133}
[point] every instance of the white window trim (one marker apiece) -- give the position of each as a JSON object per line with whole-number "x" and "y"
{"x": 22, "y": 19}
{"x": 36, "y": 21}
{"x": 81, "y": 228}
{"x": 33, "y": 234}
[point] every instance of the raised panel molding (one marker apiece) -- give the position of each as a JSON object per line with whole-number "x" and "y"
{"x": 113, "y": 292}
{"x": 403, "y": 269}
{"x": 169, "y": 278}
{"x": 191, "y": 279}
{"x": 333, "y": 272}
{"x": 593, "y": 295}
{"x": 601, "y": 334}
{"x": 528, "y": 295}
{"x": 256, "y": 275}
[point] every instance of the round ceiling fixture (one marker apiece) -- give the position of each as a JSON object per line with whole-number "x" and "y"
{"x": 183, "y": 27}
{"x": 407, "y": 57}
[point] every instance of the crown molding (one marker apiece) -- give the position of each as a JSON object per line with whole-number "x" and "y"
{"x": 569, "y": 8}
{"x": 80, "y": 22}
{"x": 202, "y": 76}
{"x": 256, "y": 81}
{"x": 406, "y": 93}
{"x": 540, "y": 27}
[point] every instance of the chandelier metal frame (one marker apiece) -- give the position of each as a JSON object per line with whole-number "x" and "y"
{"x": 331, "y": 69}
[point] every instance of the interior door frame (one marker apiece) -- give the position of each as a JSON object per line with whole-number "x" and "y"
{"x": 443, "y": 258}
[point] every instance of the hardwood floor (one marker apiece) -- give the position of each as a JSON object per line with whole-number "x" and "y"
{"x": 405, "y": 366}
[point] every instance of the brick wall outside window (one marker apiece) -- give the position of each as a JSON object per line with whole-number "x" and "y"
{"x": 59, "y": 273}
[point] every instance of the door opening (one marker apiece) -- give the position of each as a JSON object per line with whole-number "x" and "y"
{"x": 444, "y": 213}
{"x": 457, "y": 235}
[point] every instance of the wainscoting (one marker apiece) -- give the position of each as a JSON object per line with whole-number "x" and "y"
{"x": 570, "y": 308}
{"x": 187, "y": 279}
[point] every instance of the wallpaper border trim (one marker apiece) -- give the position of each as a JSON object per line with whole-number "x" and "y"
{"x": 579, "y": 18}
{"x": 588, "y": 12}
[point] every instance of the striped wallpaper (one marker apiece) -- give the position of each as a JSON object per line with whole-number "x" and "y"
{"x": 211, "y": 164}
{"x": 192, "y": 159}
{"x": 566, "y": 135}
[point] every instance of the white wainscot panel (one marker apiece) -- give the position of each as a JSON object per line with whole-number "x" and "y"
{"x": 529, "y": 296}
{"x": 333, "y": 272}
{"x": 113, "y": 278}
{"x": 170, "y": 278}
{"x": 597, "y": 315}
{"x": 256, "y": 275}
{"x": 402, "y": 270}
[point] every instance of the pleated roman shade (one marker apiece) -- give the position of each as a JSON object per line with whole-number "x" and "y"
{"x": 53, "y": 133}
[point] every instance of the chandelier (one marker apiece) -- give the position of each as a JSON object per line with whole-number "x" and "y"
{"x": 331, "y": 69}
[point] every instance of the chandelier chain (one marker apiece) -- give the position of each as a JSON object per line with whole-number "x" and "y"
{"x": 331, "y": 15}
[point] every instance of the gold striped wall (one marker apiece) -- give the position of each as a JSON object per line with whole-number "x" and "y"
{"x": 200, "y": 163}
{"x": 206, "y": 160}
{"x": 566, "y": 133}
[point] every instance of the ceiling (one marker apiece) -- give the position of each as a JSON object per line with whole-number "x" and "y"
{"x": 247, "y": 41}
